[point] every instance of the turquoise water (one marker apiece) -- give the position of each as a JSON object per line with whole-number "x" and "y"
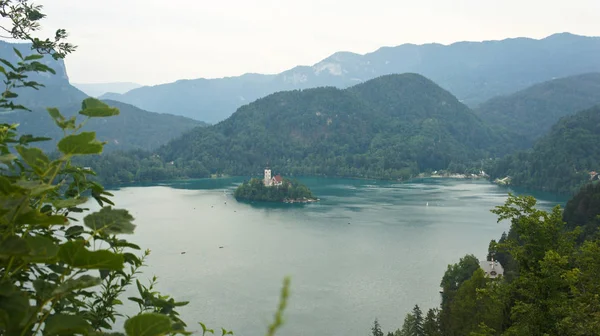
{"x": 369, "y": 249}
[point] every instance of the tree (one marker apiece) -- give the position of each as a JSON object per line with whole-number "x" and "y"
{"x": 376, "y": 329}
{"x": 431, "y": 324}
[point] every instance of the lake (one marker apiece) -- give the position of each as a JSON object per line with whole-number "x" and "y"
{"x": 369, "y": 249}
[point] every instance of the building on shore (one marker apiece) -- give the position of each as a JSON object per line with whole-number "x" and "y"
{"x": 271, "y": 181}
{"x": 492, "y": 268}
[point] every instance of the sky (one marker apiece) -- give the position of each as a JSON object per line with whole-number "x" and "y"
{"x": 151, "y": 42}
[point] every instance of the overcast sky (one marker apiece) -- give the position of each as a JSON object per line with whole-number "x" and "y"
{"x": 152, "y": 42}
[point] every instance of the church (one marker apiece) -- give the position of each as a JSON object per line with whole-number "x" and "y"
{"x": 272, "y": 181}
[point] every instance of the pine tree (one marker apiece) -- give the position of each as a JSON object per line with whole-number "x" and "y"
{"x": 376, "y": 330}
{"x": 431, "y": 325}
{"x": 418, "y": 323}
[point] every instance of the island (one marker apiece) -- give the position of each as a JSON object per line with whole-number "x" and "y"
{"x": 274, "y": 189}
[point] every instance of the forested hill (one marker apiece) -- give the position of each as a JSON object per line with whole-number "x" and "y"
{"x": 472, "y": 71}
{"x": 133, "y": 128}
{"x": 559, "y": 161}
{"x": 530, "y": 113}
{"x": 394, "y": 126}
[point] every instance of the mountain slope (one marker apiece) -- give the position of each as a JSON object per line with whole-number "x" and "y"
{"x": 57, "y": 91}
{"x": 472, "y": 71}
{"x": 530, "y": 113}
{"x": 132, "y": 129}
{"x": 559, "y": 161}
{"x": 394, "y": 126}
{"x": 98, "y": 89}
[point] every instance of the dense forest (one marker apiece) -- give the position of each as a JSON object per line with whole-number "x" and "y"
{"x": 393, "y": 127}
{"x": 528, "y": 114}
{"x": 255, "y": 190}
{"x": 560, "y": 161}
{"x": 550, "y": 286}
{"x": 132, "y": 129}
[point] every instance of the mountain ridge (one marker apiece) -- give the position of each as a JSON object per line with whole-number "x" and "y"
{"x": 472, "y": 71}
{"x": 391, "y": 127}
{"x": 530, "y": 113}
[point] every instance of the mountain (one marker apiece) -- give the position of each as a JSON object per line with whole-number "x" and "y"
{"x": 57, "y": 90}
{"x": 472, "y": 71}
{"x": 560, "y": 161}
{"x": 98, "y": 89}
{"x": 530, "y": 113}
{"x": 133, "y": 128}
{"x": 394, "y": 126}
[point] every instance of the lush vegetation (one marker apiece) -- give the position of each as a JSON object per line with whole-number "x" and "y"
{"x": 392, "y": 127}
{"x": 132, "y": 129}
{"x": 561, "y": 160}
{"x": 550, "y": 287}
{"x": 473, "y": 71}
{"x": 64, "y": 269}
{"x": 289, "y": 190}
{"x": 530, "y": 113}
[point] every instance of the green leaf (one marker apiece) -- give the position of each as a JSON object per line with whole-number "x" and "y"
{"x": 14, "y": 246}
{"x": 70, "y": 202}
{"x": 95, "y": 108}
{"x": 84, "y": 281}
{"x": 43, "y": 289}
{"x": 55, "y": 113}
{"x": 34, "y": 217}
{"x": 15, "y": 309}
{"x": 149, "y": 324}
{"x": 28, "y": 138}
{"x": 110, "y": 221}
{"x": 124, "y": 243}
{"x": 18, "y": 53}
{"x": 63, "y": 324}
{"x": 36, "y": 188}
{"x": 80, "y": 144}
{"x": 34, "y": 157}
{"x": 75, "y": 254}
{"x": 42, "y": 249}
{"x": 34, "y": 57}
{"x": 74, "y": 231}
{"x": 7, "y": 158}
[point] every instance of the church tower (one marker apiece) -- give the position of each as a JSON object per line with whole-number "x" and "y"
{"x": 268, "y": 179}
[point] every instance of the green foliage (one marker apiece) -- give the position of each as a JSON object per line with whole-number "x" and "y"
{"x": 559, "y": 161}
{"x": 54, "y": 279}
{"x": 392, "y": 127}
{"x": 133, "y": 129}
{"x": 530, "y": 113}
{"x": 553, "y": 288}
{"x": 278, "y": 320}
{"x": 255, "y": 190}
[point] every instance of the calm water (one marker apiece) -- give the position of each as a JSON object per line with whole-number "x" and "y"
{"x": 369, "y": 249}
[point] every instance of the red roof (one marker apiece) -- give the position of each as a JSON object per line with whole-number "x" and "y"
{"x": 278, "y": 178}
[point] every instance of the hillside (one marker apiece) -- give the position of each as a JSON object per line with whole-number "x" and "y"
{"x": 530, "y": 113}
{"x": 394, "y": 126}
{"x": 472, "y": 71}
{"x": 98, "y": 89}
{"x": 132, "y": 129}
{"x": 559, "y": 161}
{"x": 57, "y": 91}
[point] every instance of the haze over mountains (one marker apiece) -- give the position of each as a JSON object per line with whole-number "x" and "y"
{"x": 134, "y": 128}
{"x": 472, "y": 71}
{"x": 98, "y": 89}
